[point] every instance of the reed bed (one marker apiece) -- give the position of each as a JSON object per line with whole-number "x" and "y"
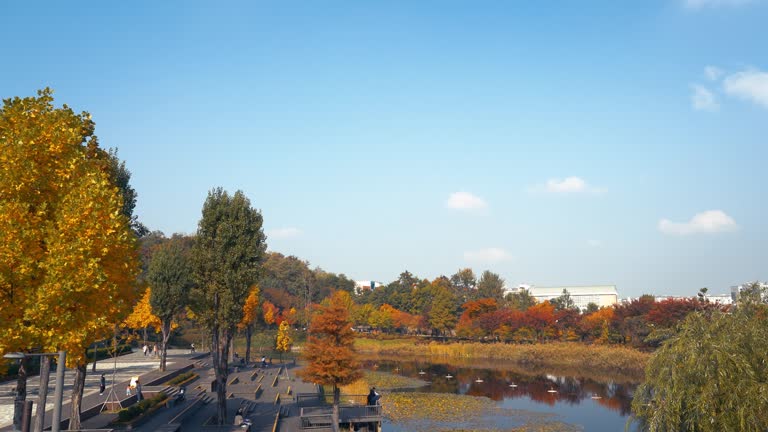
{"x": 601, "y": 358}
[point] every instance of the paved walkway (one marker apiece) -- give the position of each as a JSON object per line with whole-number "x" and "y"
{"x": 117, "y": 374}
{"x": 262, "y": 393}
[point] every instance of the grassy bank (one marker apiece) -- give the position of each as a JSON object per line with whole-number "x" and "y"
{"x": 597, "y": 358}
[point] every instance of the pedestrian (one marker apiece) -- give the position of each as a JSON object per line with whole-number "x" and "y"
{"x": 154, "y": 350}
{"x": 128, "y": 390}
{"x": 263, "y": 361}
{"x": 139, "y": 396}
{"x": 145, "y": 348}
{"x": 102, "y": 384}
{"x": 192, "y": 348}
{"x": 371, "y": 399}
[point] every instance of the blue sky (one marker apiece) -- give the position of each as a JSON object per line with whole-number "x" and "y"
{"x": 555, "y": 143}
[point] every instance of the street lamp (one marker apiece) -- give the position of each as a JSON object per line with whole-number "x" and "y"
{"x": 58, "y": 395}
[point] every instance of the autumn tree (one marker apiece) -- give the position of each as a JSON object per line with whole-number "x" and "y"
{"x": 68, "y": 259}
{"x": 250, "y": 315}
{"x": 284, "y": 340}
{"x": 270, "y": 312}
{"x": 226, "y": 258}
{"x": 170, "y": 276}
{"x": 142, "y": 317}
{"x": 442, "y": 314}
{"x": 330, "y": 354}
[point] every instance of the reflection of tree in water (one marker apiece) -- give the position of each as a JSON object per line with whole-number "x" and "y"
{"x": 496, "y": 384}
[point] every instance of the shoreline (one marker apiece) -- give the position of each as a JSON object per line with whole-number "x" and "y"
{"x": 596, "y": 359}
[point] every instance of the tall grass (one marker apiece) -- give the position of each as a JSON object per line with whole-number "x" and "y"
{"x": 598, "y": 358}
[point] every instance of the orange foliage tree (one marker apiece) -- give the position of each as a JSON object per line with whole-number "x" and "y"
{"x": 250, "y": 315}
{"x": 270, "y": 312}
{"x": 330, "y": 353}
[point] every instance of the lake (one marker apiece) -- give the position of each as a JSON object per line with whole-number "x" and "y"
{"x": 583, "y": 401}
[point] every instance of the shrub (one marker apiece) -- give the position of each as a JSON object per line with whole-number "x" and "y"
{"x": 127, "y": 414}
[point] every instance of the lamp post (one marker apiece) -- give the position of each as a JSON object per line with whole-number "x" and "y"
{"x": 58, "y": 395}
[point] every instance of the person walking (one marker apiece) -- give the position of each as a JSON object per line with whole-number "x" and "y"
{"x": 102, "y": 384}
{"x": 139, "y": 396}
{"x": 145, "y": 348}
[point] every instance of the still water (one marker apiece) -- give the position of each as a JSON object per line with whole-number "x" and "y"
{"x": 588, "y": 404}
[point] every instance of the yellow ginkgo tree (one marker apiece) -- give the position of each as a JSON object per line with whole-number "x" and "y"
{"x": 141, "y": 316}
{"x": 68, "y": 258}
{"x": 284, "y": 340}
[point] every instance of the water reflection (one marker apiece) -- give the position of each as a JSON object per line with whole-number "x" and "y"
{"x": 542, "y": 392}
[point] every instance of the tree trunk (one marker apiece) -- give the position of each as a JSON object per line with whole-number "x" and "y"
{"x": 145, "y": 335}
{"x": 335, "y": 415}
{"x": 77, "y": 396}
{"x": 220, "y": 345}
{"x": 248, "y": 334}
{"x": 21, "y": 392}
{"x": 45, "y": 373}
{"x": 166, "y": 326}
{"x": 231, "y": 355}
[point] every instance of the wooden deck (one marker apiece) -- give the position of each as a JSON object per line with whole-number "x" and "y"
{"x": 317, "y": 416}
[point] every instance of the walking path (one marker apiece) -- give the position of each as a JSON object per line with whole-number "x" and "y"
{"x": 260, "y": 392}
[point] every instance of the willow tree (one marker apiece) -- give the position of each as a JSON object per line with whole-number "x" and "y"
{"x": 711, "y": 376}
{"x": 68, "y": 259}
{"x": 330, "y": 353}
{"x": 170, "y": 276}
{"x": 226, "y": 259}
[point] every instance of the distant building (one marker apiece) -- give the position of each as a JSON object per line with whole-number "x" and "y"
{"x": 582, "y": 296}
{"x": 366, "y": 284}
{"x": 736, "y": 289}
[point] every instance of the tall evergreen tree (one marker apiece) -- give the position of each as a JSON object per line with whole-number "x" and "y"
{"x": 170, "y": 277}
{"x": 227, "y": 258}
{"x": 490, "y": 285}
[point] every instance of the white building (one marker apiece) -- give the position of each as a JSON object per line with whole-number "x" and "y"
{"x": 366, "y": 284}
{"x": 736, "y": 290}
{"x": 601, "y": 295}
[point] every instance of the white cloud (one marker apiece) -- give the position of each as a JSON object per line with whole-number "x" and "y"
{"x": 703, "y": 99}
{"x": 700, "y": 4}
{"x": 710, "y": 221}
{"x": 568, "y": 185}
{"x": 489, "y": 255}
{"x": 465, "y": 201}
{"x": 751, "y": 85}
{"x": 713, "y": 73}
{"x": 287, "y": 232}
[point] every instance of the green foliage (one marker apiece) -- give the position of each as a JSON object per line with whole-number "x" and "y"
{"x": 442, "y": 315}
{"x": 106, "y": 352}
{"x": 564, "y": 301}
{"x": 490, "y": 285}
{"x": 520, "y": 300}
{"x": 226, "y": 257}
{"x": 127, "y": 414}
{"x": 170, "y": 276}
{"x": 711, "y": 376}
